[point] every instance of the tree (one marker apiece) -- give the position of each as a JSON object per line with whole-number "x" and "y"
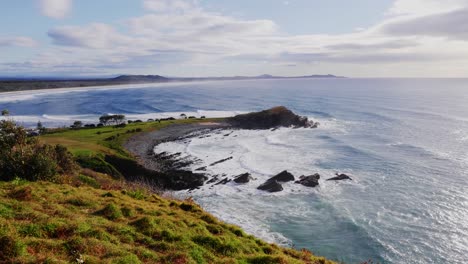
{"x": 41, "y": 127}
{"x": 112, "y": 119}
{"x": 5, "y": 112}
{"x": 183, "y": 116}
{"x": 77, "y": 124}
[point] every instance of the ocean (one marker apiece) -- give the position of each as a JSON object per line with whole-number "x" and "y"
{"x": 404, "y": 142}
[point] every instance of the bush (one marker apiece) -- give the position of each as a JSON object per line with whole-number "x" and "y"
{"x": 25, "y": 158}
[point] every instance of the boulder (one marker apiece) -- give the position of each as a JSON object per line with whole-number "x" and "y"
{"x": 271, "y": 186}
{"x": 243, "y": 178}
{"x": 340, "y": 177}
{"x": 283, "y": 176}
{"x": 309, "y": 181}
{"x": 275, "y": 117}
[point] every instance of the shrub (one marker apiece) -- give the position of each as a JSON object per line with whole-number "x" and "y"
{"x": 25, "y": 158}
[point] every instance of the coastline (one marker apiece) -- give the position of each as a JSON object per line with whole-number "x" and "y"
{"x": 142, "y": 144}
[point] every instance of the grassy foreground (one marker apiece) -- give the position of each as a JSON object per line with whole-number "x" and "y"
{"x": 50, "y": 223}
{"x": 93, "y": 217}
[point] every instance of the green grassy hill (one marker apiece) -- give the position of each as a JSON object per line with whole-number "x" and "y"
{"x": 96, "y": 217}
{"x": 59, "y": 223}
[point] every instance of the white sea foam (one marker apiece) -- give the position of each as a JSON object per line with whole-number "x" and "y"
{"x": 262, "y": 153}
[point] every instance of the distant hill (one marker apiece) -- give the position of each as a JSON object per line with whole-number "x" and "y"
{"x": 8, "y": 84}
{"x": 140, "y": 78}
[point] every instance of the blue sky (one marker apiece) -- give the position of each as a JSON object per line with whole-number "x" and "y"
{"x": 360, "y": 38}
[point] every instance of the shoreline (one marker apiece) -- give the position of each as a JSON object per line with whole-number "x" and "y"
{"x": 141, "y": 145}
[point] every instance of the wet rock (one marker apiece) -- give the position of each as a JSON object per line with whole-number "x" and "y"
{"x": 223, "y": 181}
{"x": 271, "y": 186}
{"x": 309, "y": 181}
{"x": 283, "y": 176}
{"x": 212, "y": 180}
{"x": 340, "y": 177}
{"x": 220, "y": 161}
{"x": 182, "y": 180}
{"x": 243, "y": 178}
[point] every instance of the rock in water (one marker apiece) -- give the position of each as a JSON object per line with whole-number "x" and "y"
{"x": 243, "y": 178}
{"x": 223, "y": 181}
{"x": 340, "y": 177}
{"x": 283, "y": 176}
{"x": 271, "y": 186}
{"x": 275, "y": 117}
{"x": 309, "y": 181}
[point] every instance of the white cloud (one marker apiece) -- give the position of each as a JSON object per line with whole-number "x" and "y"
{"x": 177, "y": 37}
{"x": 17, "y": 41}
{"x": 168, "y": 5}
{"x": 55, "y": 8}
{"x": 424, "y": 7}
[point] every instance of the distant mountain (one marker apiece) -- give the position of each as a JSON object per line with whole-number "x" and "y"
{"x": 140, "y": 78}
{"x": 36, "y": 83}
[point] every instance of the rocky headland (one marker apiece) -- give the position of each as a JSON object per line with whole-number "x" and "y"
{"x": 171, "y": 169}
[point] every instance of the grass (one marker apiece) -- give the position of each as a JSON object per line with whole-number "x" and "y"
{"x": 100, "y": 218}
{"x": 68, "y": 224}
{"x": 106, "y": 140}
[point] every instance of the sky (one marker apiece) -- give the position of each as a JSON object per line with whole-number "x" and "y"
{"x": 355, "y": 38}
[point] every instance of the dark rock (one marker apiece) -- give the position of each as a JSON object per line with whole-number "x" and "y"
{"x": 340, "y": 177}
{"x": 201, "y": 168}
{"x": 271, "y": 186}
{"x": 223, "y": 181}
{"x": 283, "y": 176}
{"x": 214, "y": 179}
{"x": 220, "y": 161}
{"x": 243, "y": 178}
{"x": 309, "y": 181}
{"x": 275, "y": 117}
{"x": 182, "y": 180}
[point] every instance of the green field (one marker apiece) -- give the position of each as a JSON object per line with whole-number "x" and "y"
{"x": 106, "y": 140}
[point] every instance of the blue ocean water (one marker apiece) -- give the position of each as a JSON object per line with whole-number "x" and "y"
{"x": 404, "y": 142}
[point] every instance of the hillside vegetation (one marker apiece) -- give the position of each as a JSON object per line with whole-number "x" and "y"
{"x": 91, "y": 217}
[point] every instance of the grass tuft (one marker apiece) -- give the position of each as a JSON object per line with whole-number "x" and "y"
{"x": 111, "y": 212}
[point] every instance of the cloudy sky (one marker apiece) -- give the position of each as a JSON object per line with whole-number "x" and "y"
{"x": 356, "y": 38}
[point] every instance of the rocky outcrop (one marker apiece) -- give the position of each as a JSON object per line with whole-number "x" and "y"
{"x": 283, "y": 176}
{"x": 309, "y": 181}
{"x": 243, "y": 178}
{"x": 278, "y": 116}
{"x": 271, "y": 186}
{"x": 182, "y": 180}
{"x": 340, "y": 177}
